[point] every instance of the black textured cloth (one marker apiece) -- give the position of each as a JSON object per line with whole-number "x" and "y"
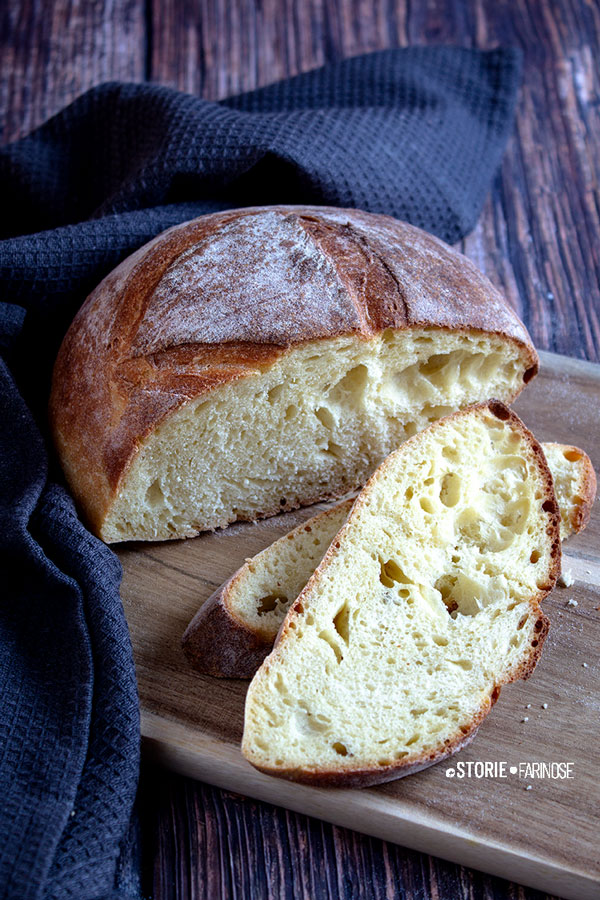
{"x": 415, "y": 133}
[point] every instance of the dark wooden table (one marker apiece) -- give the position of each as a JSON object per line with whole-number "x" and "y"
{"x": 538, "y": 238}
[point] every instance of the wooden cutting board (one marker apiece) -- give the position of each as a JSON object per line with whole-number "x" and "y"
{"x": 546, "y": 837}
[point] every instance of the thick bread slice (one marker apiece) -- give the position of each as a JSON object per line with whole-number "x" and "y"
{"x": 257, "y": 360}
{"x": 235, "y": 628}
{"x": 425, "y": 604}
{"x": 575, "y": 486}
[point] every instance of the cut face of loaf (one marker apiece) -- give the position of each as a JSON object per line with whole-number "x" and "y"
{"x": 424, "y": 605}
{"x": 315, "y": 425}
{"x": 236, "y": 627}
{"x": 261, "y": 359}
{"x": 575, "y": 486}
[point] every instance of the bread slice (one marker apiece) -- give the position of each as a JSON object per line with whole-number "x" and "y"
{"x": 427, "y": 602}
{"x": 258, "y": 360}
{"x": 575, "y": 486}
{"x": 235, "y": 628}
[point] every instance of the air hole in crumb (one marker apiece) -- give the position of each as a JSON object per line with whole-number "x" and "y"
{"x": 267, "y": 604}
{"x": 335, "y": 450}
{"x": 549, "y": 506}
{"x": 283, "y": 501}
{"x": 499, "y": 409}
{"x": 522, "y": 621}
{"x": 325, "y": 417}
{"x": 534, "y": 643}
{"x": 450, "y": 489}
{"x": 451, "y": 454}
{"x": 534, "y": 556}
{"x": 390, "y": 574}
{"x": 446, "y": 584}
{"x": 154, "y": 494}
{"x": 573, "y": 455}
{"x": 330, "y": 638}
{"x": 465, "y": 664}
{"x": 340, "y": 748}
{"x": 341, "y": 623}
{"x": 426, "y": 505}
{"x": 275, "y": 393}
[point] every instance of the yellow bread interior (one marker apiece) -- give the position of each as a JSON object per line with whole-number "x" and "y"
{"x": 426, "y": 602}
{"x": 267, "y": 584}
{"x": 314, "y": 424}
{"x": 574, "y": 483}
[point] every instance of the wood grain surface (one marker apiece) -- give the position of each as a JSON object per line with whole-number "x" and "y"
{"x": 538, "y": 238}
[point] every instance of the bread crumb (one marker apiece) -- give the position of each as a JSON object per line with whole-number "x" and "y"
{"x": 566, "y": 579}
{"x": 526, "y": 719}
{"x": 529, "y": 787}
{"x": 572, "y": 602}
{"x": 528, "y": 706}
{"x": 585, "y": 665}
{"x": 544, "y": 706}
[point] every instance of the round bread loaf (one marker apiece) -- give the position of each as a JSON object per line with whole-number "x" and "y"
{"x": 260, "y": 359}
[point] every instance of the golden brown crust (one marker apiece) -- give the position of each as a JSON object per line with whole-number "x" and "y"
{"x": 216, "y": 643}
{"x": 222, "y": 297}
{"x": 360, "y": 778}
{"x": 365, "y": 777}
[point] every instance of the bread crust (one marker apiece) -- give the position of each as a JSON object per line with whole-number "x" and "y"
{"x": 349, "y": 777}
{"x": 171, "y": 322}
{"x": 216, "y": 642}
